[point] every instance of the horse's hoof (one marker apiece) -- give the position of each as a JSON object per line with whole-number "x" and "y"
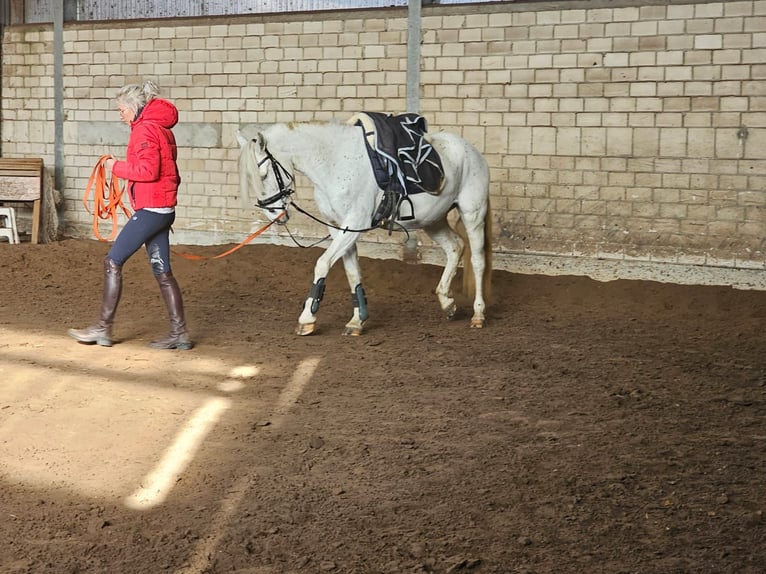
{"x": 305, "y": 329}
{"x": 352, "y": 331}
{"x": 477, "y": 323}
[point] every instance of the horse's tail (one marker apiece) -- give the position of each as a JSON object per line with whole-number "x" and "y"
{"x": 487, "y": 277}
{"x": 469, "y": 279}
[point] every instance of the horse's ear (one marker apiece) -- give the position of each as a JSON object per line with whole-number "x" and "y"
{"x": 241, "y": 139}
{"x": 260, "y": 141}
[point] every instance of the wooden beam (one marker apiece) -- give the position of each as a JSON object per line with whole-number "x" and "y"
{"x": 17, "y": 15}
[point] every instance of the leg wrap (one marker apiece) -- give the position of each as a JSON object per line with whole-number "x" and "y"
{"x": 358, "y": 299}
{"x": 316, "y": 293}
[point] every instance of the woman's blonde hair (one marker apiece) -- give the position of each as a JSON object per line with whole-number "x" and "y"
{"x": 136, "y": 96}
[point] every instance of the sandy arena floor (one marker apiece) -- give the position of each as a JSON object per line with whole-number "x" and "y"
{"x": 589, "y": 428}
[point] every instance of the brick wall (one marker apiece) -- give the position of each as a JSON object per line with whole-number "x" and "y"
{"x": 617, "y": 133}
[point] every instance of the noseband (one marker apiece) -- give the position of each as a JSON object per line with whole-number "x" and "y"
{"x": 284, "y": 182}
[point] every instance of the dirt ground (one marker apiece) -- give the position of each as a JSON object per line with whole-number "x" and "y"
{"x": 589, "y": 428}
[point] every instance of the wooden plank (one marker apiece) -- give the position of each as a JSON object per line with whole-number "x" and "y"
{"x": 31, "y": 163}
{"x": 30, "y": 160}
{"x": 17, "y": 12}
{"x": 21, "y": 167}
{"x": 19, "y": 173}
{"x": 15, "y": 188}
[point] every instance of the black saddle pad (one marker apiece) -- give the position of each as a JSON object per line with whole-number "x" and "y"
{"x": 402, "y": 158}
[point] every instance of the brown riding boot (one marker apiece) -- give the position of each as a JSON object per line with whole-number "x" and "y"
{"x": 101, "y": 332}
{"x": 178, "y": 338}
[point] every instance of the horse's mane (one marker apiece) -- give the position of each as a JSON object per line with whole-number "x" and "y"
{"x": 283, "y": 131}
{"x": 293, "y": 124}
{"x": 248, "y": 170}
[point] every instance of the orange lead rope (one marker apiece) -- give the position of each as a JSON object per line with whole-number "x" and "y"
{"x": 107, "y": 199}
{"x": 240, "y": 245}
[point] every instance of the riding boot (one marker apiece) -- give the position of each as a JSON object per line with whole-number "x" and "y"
{"x": 178, "y": 338}
{"x": 101, "y": 332}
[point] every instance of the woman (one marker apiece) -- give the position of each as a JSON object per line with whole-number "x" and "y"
{"x": 152, "y": 174}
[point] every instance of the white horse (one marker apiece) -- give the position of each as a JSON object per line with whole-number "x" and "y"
{"x": 334, "y": 158}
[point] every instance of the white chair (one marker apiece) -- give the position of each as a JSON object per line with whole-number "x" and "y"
{"x": 8, "y": 224}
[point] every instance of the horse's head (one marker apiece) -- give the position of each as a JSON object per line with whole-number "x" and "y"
{"x": 263, "y": 178}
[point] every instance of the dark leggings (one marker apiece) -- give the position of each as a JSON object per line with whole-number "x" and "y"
{"x": 145, "y": 228}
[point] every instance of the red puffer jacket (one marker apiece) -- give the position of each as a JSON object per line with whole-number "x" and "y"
{"x": 150, "y": 163}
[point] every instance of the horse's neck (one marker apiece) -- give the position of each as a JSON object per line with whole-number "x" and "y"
{"x": 310, "y": 147}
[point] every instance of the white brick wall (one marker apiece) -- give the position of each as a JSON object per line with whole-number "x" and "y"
{"x": 611, "y": 131}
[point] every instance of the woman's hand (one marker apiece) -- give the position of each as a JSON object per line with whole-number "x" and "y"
{"x": 110, "y": 163}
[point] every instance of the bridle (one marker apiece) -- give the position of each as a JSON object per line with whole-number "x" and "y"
{"x": 285, "y": 182}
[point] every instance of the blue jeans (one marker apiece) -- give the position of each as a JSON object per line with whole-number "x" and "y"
{"x": 145, "y": 228}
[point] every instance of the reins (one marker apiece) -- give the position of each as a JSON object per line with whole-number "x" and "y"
{"x": 107, "y": 198}
{"x": 343, "y": 229}
{"x": 285, "y": 191}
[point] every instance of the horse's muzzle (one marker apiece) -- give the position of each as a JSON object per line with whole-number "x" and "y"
{"x": 282, "y": 218}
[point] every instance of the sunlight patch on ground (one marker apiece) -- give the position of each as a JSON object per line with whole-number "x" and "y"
{"x": 95, "y": 436}
{"x": 294, "y": 387}
{"x": 200, "y": 559}
{"x": 108, "y": 422}
{"x": 159, "y": 483}
{"x": 130, "y": 358}
{"x": 237, "y": 375}
{"x": 243, "y": 372}
{"x": 97, "y": 420}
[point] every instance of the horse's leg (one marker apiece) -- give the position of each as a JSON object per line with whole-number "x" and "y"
{"x": 452, "y": 245}
{"x": 474, "y": 223}
{"x": 355, "y": 326}
{"x": 341, "y": 242}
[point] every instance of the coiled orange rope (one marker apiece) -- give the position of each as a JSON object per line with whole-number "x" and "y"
{"x": 107, "y": 199}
